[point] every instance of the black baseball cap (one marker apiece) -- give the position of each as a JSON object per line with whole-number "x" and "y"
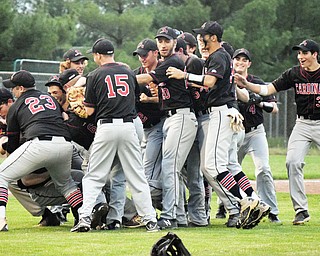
{"x": 210, "y": 28}
{"x": 74, "y": 55}
{"x": 166, "y": 32}
{"x": 188, "y": 38}
{"x": 22, "y": 77}
{"x": 242, "y": 51}
{"x": 102, "y": 46}
{"x": 53, "y": 80}
{"x": 181, "y": 44}
{"x": 145, "y": 46}
{"x": 67, "y": 75}
{"x": 307, "y": 45}
{"x": 5, "y": 94}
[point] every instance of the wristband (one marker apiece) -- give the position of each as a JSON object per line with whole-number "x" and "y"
{"x": 195, "y": 78}
{"x": 263, "y": 90}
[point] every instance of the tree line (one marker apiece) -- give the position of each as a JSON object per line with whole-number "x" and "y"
{"x": 43, "y": 29}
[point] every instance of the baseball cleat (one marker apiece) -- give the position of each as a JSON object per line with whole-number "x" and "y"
{"x": 232, "y": 220}
{"x": 258, "y": 213}
{"x": 247, "y": 205}
{"x": 3, "y": 225}
{"x": 49, "y": 219}
{"x": 135, "y": 222}
{"x": 166, "y": 224}
{"x": 221, "y": 213}
{"x": 99, "y": 216}
{"x": 152, "y": 226}
{"x": 301, "y": 218}
{"x": 274, "y": 218}
{"x": 83, "y": 225}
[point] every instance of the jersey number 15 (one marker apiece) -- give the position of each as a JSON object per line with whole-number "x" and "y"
{"x": 122, "y": 87}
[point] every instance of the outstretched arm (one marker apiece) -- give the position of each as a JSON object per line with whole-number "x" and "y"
{"x": 263, "y": 90}
{"x": 204, "y": 80}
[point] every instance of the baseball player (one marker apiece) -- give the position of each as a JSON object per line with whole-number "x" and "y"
{"x": 180, "y": 126}
{"x": 38, "y": 117}
{"x": 48, "y": 218}
{"x": 255, "y": 142}
{"x": 152, "y": 118}
{"x": 73, "y": 59}
{"x": 191, "y": 43}
{"x": 305, "y": 80}
{"x": 110, "y": 94}
{"x": 220, "y": 103}
{"x": 194, "y": 177}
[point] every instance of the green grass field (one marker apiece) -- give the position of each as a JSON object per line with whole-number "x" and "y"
{"x": 26, "y": 238}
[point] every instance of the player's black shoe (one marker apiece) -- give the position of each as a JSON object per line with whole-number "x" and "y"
{"x": 152, "y": 226}
{"x": 274, "y": 218}
{"x": 114, "y": 225}
{"x": 301, "y": 218}
{"x": 232, "y": 220}
{"x": 49, "y": 219}
{"x": 166, "y": 224}
{"x": 83, "y": 225}
{"x": 221, "y": 213}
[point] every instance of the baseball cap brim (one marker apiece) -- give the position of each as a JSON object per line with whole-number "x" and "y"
{"x": 200, "y": 31}
{"x": 53, "y": 83}
{"x": 164, "y": 35}
{"x": 141, "y": 52}
{"x": 300, "y": 47}
{"x": 8, "y": 83}
{"x": 79, "y": 58}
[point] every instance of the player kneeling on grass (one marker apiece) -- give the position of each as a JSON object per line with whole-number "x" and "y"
{"x": 38, "y": 117}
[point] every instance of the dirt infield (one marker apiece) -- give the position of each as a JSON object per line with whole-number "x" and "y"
{"x": 312, "y": 186}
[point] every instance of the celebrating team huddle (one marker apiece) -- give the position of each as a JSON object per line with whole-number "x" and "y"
{"x": 179, "y": 122}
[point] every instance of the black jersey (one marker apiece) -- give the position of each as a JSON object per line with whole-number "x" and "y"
{"x": 307, "y": 89}
{"x": 194, "y": 65}
{"x": 149, "y": 113}
{"x": 174, "y": 92}
{"x": 219, "y": 65}
{"x": 253, "y": 115}
{"x": 111, "y": 90}
{"x": 82, "y": 130}
{"x": 34, "y": 114}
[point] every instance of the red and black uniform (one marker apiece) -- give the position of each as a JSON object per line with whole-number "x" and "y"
{"x": 219, "y": 65}
{"x": 253, "y": 114}
{"x": 194, "y": 65}
{"x": 174, "y": 92}
{"x": 307, "y": 90}
{"x": 34, "y": 114}
{"x": 110, "y": 93}
{"x": 149, "y": 113}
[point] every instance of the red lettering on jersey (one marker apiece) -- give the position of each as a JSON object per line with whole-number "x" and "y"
{"x": 123, "y": 87}
{"x": 165, "y": 93}
{"x": 307, "y": 88}
{"x": 34, "y": 103}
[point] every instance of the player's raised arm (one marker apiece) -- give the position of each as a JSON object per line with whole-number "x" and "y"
{"x": 203, "y": 80}
{"x": 263, "y": 90}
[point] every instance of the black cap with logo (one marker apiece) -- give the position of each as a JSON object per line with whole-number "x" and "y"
{"x": 22, "y": 78}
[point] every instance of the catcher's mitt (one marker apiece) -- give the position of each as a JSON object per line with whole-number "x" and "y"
{"x": 75, "y": 96}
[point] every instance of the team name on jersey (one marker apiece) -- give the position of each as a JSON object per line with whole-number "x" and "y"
{"x": 307, "y": 88}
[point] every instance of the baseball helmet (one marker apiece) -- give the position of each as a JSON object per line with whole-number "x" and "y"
{"x": 169, "y": 245}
